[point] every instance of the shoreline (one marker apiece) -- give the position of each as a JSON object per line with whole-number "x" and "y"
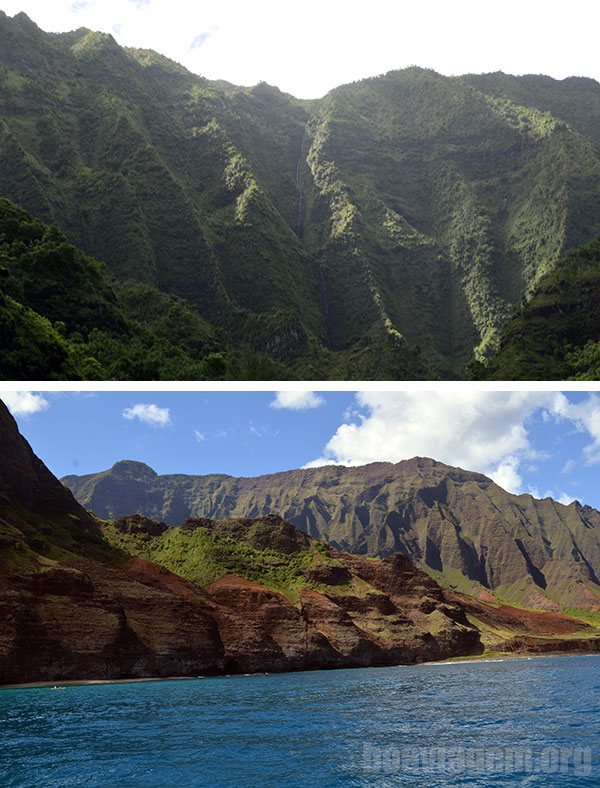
{"x": 90, "y": 682}
{"x": 511, "y": 657}
{"x": 451, "y": 661}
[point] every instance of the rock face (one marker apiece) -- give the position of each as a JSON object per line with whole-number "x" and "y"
{"x": 509, "y": 629}
{"x": 88, "y": 620}
{"x": 79, "y": 599}
{"x": 464, "y": 529}
{"x": 408, "y": 622}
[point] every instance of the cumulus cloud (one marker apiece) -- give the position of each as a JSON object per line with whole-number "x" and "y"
{"x": 475, "y": 430}
{"x": 24, "y": 403}
{"x": 297, "y": 400}
{"x": 586, "y": 417}
{"x": 200, "y": 436}
{"x": 507, "y": 475}
{"x": 149, "y": 414}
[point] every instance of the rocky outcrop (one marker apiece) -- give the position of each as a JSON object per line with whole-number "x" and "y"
{"x": 460, "y": 526}
{"x": 96, "y": 621}
{"x": 515, "y": 630}
{"x": 90, "y": 620}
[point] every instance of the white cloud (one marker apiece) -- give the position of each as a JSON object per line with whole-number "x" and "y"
{"x": 261, "y": 431}
{"x": 24, "y": 403}
{"x": 561, "y": 497}
{"x": 507, "y": 475}
{"x": 586, "y": 417}
{"x": 475, "y": 430}
{"x": 200, "y": 436}
{"x": 149, "y": 413}
{"x": 565, "y": 498}
{"x": 320, "y": 462}
{"x": 267, "y": 39}
{"x": 297, "y": 400}
{"x": 569, "y": 466}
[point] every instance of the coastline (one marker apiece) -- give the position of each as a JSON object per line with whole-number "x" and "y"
{"x": 89, "y": 682}
{"x": 466, "y": 660}
{"x": 511, "y": 657}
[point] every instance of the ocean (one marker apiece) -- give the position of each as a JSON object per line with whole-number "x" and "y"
{"x": 525, "y": 722}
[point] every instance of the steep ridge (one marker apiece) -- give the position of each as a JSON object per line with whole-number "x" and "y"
{"x": 420, "y": 210}
{"x": 84, "y": 599}
{"x": 462, "y": 528}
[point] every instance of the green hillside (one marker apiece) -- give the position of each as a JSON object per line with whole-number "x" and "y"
{"x": 268, "y": 551}
{"x": 63, "y": 316}
{"x": 556, "y": 334}
{"x": 384, "y": 231}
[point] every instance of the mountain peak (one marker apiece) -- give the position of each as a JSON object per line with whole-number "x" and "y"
{"x": 94, "y": 42}
{"x": 132, "y": 469}
{"x": 25, "y": 21}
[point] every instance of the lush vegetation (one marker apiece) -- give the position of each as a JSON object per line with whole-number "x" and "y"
{"x": 203, "y": 554}
{"x": 385, "y": 231}
{"x": 63, "y": 316}
{"x": 555, "y": 335}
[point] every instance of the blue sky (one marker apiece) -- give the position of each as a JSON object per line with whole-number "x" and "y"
{"x": 224, "y": 432}
{"x": 310, "y": 47}
{"x": 545, "y": 443}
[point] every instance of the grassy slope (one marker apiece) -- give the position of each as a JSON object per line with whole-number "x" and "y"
{"x": 205, "y": 552}
{"x": 202, "y": 553}
{"x": 29, "y": 542}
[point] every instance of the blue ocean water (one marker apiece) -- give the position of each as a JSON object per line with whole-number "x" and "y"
{"x": 518, "y": 722}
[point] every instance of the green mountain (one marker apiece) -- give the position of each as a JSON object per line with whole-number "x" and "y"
{"x": 384, "y": 231}
{"x": 555, "y": 335}
{"x": 463, "y": 529}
